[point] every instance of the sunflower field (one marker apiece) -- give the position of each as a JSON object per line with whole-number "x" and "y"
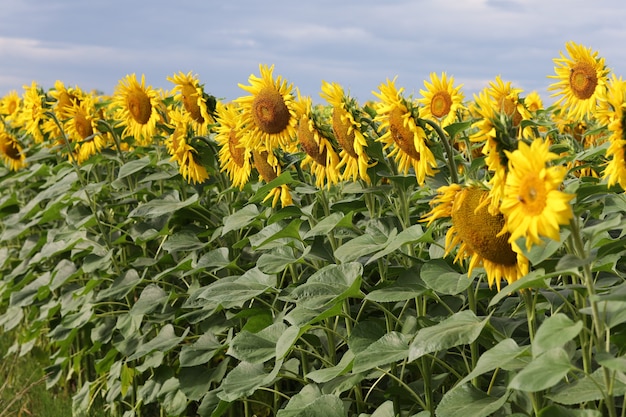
{"x": 171, "y": 253}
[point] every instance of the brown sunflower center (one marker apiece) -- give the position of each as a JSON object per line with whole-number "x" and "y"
{"x": 139, "y": 106}
{"x": 532, "y": 195}
{"x": 236, "y": 151}
{"x": 508, "y": 106}
{"x": 583, "y": 80}
{"x": 12, "y": 150}
{"x": 12, "y": 106}
{"x": 401, "y": 134}
{"x": 344, "y": 132}
{"x": 65, "y": 100}
{"x": 190, "y": 101}
{"x": 266, "y": 171}
{"x": 270, "y": 112}
{"x": 440, "y": 104}
{"x": 83, "y": 125}
{"x": 479, "y": 229}
{"x": 307, "y": 140}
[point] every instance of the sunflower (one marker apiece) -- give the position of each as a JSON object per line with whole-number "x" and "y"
{"x": 320, "y": 153}
{"x": 10, "y": 105}
{"x": 33, "y": 111}
{"x": 612, "y": 111}
{"x": 235, "y": 158}
{"x": 186, "y": 156}
{"x": 408, "y": 139}
{"x": 347, "y": 130}
{"x": 191, "y": 93}
{"x": 269, "y": 170}
{"x": 532, "y": 203}
{"x": 533, "y": 102}
{"x": 81, "y": 128}
{"x": 441, "y": 99}
{"x": 477, "y": 233}
{"x": 137, "y": 108}
{"x": 582, "y": 79}
{"x": 506, "y": 100}
{"x": 11, "y": 151}
{"x": 268, "y": 119}
{"x": 64, "y": 98}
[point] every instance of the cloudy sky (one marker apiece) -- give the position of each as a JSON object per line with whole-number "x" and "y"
{"x": 357, "y": 43}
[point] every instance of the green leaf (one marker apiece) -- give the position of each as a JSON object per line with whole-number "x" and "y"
{"x": 256, "y": 347}
{"x": 276, "y": 231}
{"x": 556, "y": 410}
{"x": 409, "y": 235}
{"x": 406, "y": 287}
{"x": 120, "y": 287}
{"x": 214, "y": 260}
{"x": 278, "y": 259}
{"x": 310, "y": 402}
{"x": 363, "y": 245}
{"x": 246, "y": 378}
{"x": 326, "y": 374}
{"x": 392, "y": 347}
{"x": 201, "y": 351}
{"x": 329, "y": 223}
{"x": 554, "y": 332}
{"x": 282, "y": 179}
{"x": 440, "y": 277}
{"x": 613, "y": 312}
{"x": 131, "y": 167}
{"x": 167, "y": 204}
{"x": 467, "y": 401}
{"x": 194, "y": 382}
{"x": 455, "y": 128}
{"x": 152, "y": 298}
{"x": 587, "y": 388}
{"x": 461, "y": 328}
{"x": 240, "y": 219}
{"x": 534, "y": 279}
{"x": 543, "y": 372}
{"x": 185, "y": 240}
{"x": 163, "y": 342}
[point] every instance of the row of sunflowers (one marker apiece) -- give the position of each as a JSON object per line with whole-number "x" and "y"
{"x": 521, "y": 189}
{"x": 272, "y": 255}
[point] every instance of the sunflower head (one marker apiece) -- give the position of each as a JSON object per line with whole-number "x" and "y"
{"x": 138, "y": 106}
{"x": 195, "y": 101}
{"x": 441, "y": 99}
{"x": 11, "y": 150}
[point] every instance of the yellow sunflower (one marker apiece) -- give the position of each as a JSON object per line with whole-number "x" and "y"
{"x": 532, "y": 203}
{"x": 191, "y": 93}
{"x": 137, "y": 108}
{"x": 33, "y": 111}
{"x": 268, "y": 119}
{"x": 582, "y": 79}
{"x": 506, "y": 100}
{"x": 347, "y": 131}
{"x": 11, "y": 151}
{"x": 397, "y": 118}
{"x": 64, "y": 98}
{"x": 612, "y": 112}
{"x": 441, "y": 99}
{"x": 186, "y": 156}
{"x": 10, "y": 105}
{"x": 321, "y": 156}
{"x": 477, "y": 233}
{"x": 235, "y": 158}
{"x": 533, "y": 102}
{"x": 81, "y": 128}
{"x": 269, "y": 170}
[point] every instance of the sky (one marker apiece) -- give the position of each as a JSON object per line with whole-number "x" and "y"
{"x": 356, "y": 43}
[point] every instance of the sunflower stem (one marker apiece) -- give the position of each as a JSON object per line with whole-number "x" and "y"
{"x": 454, "y": 176}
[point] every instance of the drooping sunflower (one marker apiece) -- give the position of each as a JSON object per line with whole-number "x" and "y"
{"x": 137, "y": 108}
{"x": 477, "y": 233}
{"x": 269, "y": 170}
{"x": 347, "y": 131}
{"x": 235, "y": 158}
{"x": 582, "y": 79}
{"x": 402, "y": 133}
{"x": 441, "y": 99}
{"x": 612, "y": 112}
{"x": 321, "y": 156}
{"x": 81, "y": 128}
{"x": 186, "y": 156}
{"x": 11, "y": 150}
{"x": 64, "y": 98}
{"x": 191, "y": 93}
{"x": 533, "y": 204}
{"x": 10, "y": 105}
{"x": 268, "y": 118}
{"x": 33, "y": 111}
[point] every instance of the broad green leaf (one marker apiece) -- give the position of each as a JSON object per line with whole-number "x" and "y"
{"x": 26, "y": 295}
{"x": 541, "y": 252}
{"x": 261, "y": 193}
{"x": 326, "y": 374}
{"x": 278, "y": 259}
{"x": 543, "y": 372}
{"x": 214, "y": 260}
{"x": 534, "y": 279}
{"x": 310, "y": 402}
{"x": 274, "y": 232}
{"x": 201, "y": 351}
{"x": 556, "y": 410}
{"x": 499, "y": 356}
{"x": 287, "y": 340}
{"x": 240, "y": 219}
{"x": 467, "y": 401}
{"x": 184, "y": 240}
{"x": 164, "y": 341}
{"x": 384, "y": 410}
{"x": 363, "y": 245}
{"x": 587, "y": 388}
{"x": 167, "y": 204}
{"x": 151, "y": 299}
{"x": 408, "y": 286}
{"x": 133, "y": 166}
{"x": 329, "y": 223}
{"x": 461, "y": 328}
{"x": 440, "y": 277}
{"x": 555, "y": 331}
{"x": 613, "y": 312}
{"x": 409, "y": 235}
{"x": 194, "y": 381}
{"x": 609, "y": 361}
{"x": 120, "y": 287}
{"x": 81, "y": 400}
{"x": 246, "y": 378}
{"x": 256, "y": 347}
{"x": 392, "y": 347}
